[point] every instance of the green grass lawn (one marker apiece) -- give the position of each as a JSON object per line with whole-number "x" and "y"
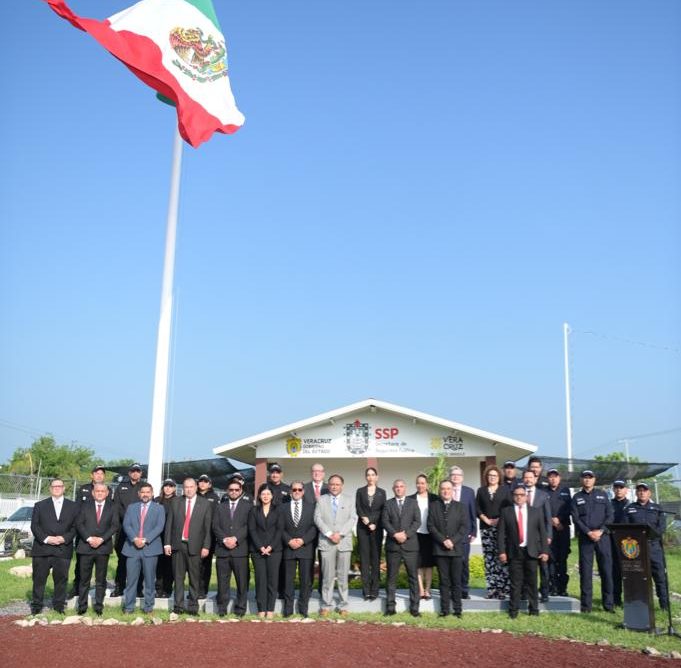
{"x": 586, "y": 628}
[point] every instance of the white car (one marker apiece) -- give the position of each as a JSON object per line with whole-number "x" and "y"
{"x": 15, "y": 531}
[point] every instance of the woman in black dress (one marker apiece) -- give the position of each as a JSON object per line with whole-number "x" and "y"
{"x": 264, "y": 535}
{"x": 489, "y": 501}
{"x": 369, "y": 502}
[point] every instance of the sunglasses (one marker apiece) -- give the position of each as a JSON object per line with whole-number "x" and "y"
{"x": 296, "y": 489}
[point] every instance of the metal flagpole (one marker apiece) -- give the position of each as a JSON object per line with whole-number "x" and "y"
{"x": 158, "y": 411}
{"x": 568, "y": 412}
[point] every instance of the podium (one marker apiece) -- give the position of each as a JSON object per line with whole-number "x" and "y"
{"x": 630, "y": 543}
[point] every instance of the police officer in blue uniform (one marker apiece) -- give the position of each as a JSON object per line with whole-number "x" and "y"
{"x": 645, "y": 511}
{"x": 510, "y": 478}
{"x": 559, "y": 502}
{"x": 591, "y": 511}
{"x": 619, "y": 502}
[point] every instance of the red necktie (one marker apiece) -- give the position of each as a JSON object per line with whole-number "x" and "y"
{"x": 521, "y": 531}
{"x": 187, "y": 517}
{"x": 99, "y": 513}
{"x": 143, "y": 514}
{"x": 316, "y": 491}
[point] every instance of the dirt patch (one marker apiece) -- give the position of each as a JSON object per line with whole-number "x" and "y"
{"x": 319, "y": 644}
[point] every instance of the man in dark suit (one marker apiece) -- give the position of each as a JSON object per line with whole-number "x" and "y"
{"x": 96, "y": 524}
{"x": 187, "y": 538}
{"x": 205, "y": 489}
{"x": 449, "y": 526}
{"x": 143, "y": 524}
{"x": 164, "y": 565}
{"x": 230, "y": 528}
{"x": 466, "y": 496}
{"x": 538, "y": 498}
{"x": 299, "y": 536}
{"x": 401, "y": 519}
{"x": 314, "y": 490}
{"x": 316, "y": 487}
{"x": 522, "y": 543}
{"x": 53, "y": 525}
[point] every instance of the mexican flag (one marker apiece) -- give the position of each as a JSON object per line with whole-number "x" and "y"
{"x": 177, "y": 48}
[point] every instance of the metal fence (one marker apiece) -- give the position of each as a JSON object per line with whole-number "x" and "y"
{"x": 17, "y": 490}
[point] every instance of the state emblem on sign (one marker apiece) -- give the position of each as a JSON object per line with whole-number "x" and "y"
{"x": 630, "y": 548}
{"x": 293, "y": 446}
{"x": 357, "y": 437}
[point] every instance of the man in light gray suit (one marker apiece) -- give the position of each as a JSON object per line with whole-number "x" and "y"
{"x": 335, "y": 517}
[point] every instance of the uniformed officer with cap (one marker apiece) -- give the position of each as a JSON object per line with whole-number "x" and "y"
{"x": 559, "y": 502}
{"x": 126, "y": 493}
{"x": 619, "y": 502}
{"x": 510, "y": 479}
{"x": 238, "y": 477}
{"x": 83, "y": 495}
{"x": 645, "y": 511}
{"x": 164, "y": 565}
{"x": 205, "y": 489}
{"x": 281, "y": 492}
{"x": 591, "y": 511}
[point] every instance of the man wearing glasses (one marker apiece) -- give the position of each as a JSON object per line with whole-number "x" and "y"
{"x": 522, "y": 544}
{"x": 54, "y": 527}
{"x": 299, "y": 534}
{"x": 230, "y": 529}
{"x": 591, "y": 512}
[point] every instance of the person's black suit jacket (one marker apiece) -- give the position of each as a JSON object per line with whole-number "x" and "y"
{"x": 306, "y": 529}
{"x": 373, "y": 512}
{"x": 264, "y": 531}
{"x": 455, "y": 526}
{"x": 225, "y": 526}
{"x": 86, "y": 525}
{"x": 199, "y": 524}
{"x": 309, "y": 496}
{"x": 44, "y": 523}
{"x": 542, "y": 501}
{"x": 508, "y": 539}
{"x": 393, "y": 522}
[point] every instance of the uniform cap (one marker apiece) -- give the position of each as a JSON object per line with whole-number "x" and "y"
{"x": 204, "y": 478}
{"x": 275, "y": 467}
{"x": 134, "y": 467}
{"x": 587, "y": 473}
{"x": 169, "y": 482}
{"x": 553, "y": 472}
{"x": 510, "y": 464}
{"x": 99, "y": 467}
{"x": 619, "y": 483}
{"x": 643, "y": 485}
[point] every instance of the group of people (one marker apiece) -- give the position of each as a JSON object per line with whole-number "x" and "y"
{"x": 162, "y": 541}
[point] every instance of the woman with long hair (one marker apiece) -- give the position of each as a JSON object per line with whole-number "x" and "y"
{"x": 264, "y": 535}
{"x": 425, "y": 564}
{"x": 491, "y": 497}
{"x": 369, "y": 502}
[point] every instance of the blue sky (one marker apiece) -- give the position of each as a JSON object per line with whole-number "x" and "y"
{"x": 421, "y": 195}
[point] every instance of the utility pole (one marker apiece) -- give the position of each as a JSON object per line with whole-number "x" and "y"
{"x": 568, "y": 411}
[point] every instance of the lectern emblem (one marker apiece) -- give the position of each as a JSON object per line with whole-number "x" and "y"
{"x": 357, "y": 437}
{"x": 630, "y": 548}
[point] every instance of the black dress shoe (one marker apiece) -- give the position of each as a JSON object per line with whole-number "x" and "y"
{"x": 533, "y": 613}
{"x": 415, "y": 613}
{"x": 390, "y": 613}
{"x": 544, "y": 599}
{"x": 115, "y": 592}
{"x": 367, "y": 597}
{"x": 81, "y": 611}
{"x": 98, "y": 613}
{"x": 610, "y": 610}
{"x": 466, "y": 595}
{"x": 513, "y": 614}
{"x": 457, "y": 615}
{"x": 442, "y": 614}
{"x": 585, "y": 610}
{"x": 178, "y": 611}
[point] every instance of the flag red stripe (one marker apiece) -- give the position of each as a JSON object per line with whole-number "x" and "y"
{"x": 142, "y": 57}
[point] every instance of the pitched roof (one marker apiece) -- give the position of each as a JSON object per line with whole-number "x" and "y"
{"x": 244, "y": 449}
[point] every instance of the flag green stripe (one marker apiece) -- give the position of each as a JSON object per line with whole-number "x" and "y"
{"x": 206, "y": 7}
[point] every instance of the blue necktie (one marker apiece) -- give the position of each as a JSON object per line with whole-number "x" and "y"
{"x": 334, "y": 502}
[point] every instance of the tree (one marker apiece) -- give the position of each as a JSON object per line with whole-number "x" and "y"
{"x": 44, "y": 456}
